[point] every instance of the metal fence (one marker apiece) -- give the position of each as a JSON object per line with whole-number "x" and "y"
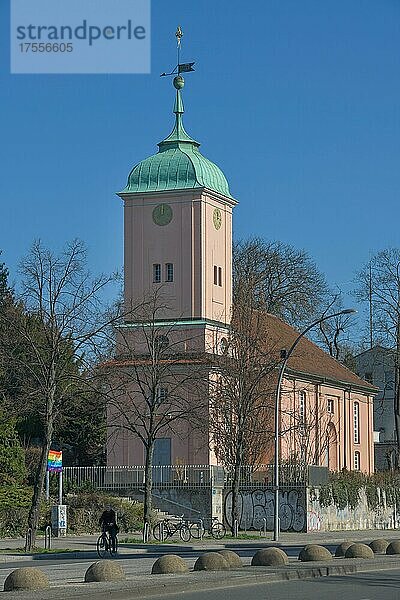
{"x": 179, "y": 476}
{"x": 133, "y": 477}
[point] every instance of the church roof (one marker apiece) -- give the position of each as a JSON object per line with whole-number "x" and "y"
{"x": 179, "y": 164}
{"x": 308, "y": 358}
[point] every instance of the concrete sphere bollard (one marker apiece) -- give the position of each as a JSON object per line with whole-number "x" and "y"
{"x": 379, "y": 546}
{"x": 394, "y": 547}
{"x": 169, "y": 563}
{"x": 341, "y": 549}
{"x": 211, "y": 561}
{"x": 105, "y": 570}
{"x": 269, "y": 557}
{"x": 234, "y": 561}
{"x": 359, "y": 550}
{"x": 26, "y": 578}
{"x": 313, "y": 552}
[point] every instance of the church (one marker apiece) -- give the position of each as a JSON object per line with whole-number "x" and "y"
{"x": 178, "y": 256}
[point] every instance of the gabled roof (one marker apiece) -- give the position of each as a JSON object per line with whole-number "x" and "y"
{"x": 308, "y": 358}
{"x": 377, "y": 349}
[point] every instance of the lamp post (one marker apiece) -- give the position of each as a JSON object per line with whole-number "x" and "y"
{"x": 286, "y": 356}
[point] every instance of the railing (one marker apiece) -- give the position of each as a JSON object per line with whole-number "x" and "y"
{"x": 126, "y": 478}
{"x": 133, "y": 477}
{"x": 290, "y": 475}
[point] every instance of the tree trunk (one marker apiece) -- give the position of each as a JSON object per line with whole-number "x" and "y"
{"x": 235, "y": 497}
{"x": 34, "y": 511}
{"x": 148, "y": 484}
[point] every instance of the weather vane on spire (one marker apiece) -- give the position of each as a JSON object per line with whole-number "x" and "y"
{"x": 180, "y": 68}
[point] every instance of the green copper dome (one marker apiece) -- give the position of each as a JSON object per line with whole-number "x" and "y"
{"x": 178, "y": 165}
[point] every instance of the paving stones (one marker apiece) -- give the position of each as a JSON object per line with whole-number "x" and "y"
{"x": 105, "y": 570}
{"x": 26, "y": 578}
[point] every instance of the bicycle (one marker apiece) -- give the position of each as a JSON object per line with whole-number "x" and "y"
{"x": 216, "y": 529}
{"x": 107, "y": 545}
{"x": 165, "y": 529}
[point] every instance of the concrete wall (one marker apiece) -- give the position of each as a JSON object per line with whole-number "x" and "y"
{"x": 255, "y": 505}
{"x": 331, "y": 518}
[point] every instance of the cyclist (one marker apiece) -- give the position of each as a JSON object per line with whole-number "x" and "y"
{"x": 108, "y": 523}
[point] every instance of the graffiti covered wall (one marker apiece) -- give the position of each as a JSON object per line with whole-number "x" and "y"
{"x": 255, "y": 505}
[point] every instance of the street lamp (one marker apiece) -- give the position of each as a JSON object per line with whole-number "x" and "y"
{"x": 286, "y": 356}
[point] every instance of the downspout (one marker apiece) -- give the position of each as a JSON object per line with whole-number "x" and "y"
{"x": 317, "y": 456}
{"x": 344, "y": 431}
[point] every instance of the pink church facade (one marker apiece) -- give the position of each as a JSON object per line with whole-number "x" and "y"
{"x": 178, "y": 239}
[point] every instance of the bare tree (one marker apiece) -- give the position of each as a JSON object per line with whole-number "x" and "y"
{"x": 284, "y": 281}
{"x": 333, "y": 334}
{"x": 155, "y": 385}
{"x": 379, "y": 285}
{"x": 61, "y": 327}
{"x": 307, "y": 429}
{"x": 241, "y": 400}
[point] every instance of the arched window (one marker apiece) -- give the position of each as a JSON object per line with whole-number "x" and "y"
{"x": 356, "y": 422}
{"x": 357, "y": 462}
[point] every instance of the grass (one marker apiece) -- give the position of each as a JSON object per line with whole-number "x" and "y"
{"x": 37, "y": 550}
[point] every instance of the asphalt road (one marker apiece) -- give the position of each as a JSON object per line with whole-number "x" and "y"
{"x": 378, "y": 585}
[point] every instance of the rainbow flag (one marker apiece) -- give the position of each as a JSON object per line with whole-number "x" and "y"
{"x": 54, "y": 461}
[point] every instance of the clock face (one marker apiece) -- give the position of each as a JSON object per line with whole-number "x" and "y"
{"x": 162, "y": 214}
{"x": 217, "y": 218}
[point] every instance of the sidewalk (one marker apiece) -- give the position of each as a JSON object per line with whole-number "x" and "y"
{"x": 87, "y": 543}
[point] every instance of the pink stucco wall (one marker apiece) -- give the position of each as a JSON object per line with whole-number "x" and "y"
{"x": 332, "y": 442}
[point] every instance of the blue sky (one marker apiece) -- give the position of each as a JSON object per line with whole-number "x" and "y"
{"x": 297, "y": 101}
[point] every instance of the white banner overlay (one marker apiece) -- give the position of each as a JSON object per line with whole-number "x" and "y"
{"x": 80, "y": 36}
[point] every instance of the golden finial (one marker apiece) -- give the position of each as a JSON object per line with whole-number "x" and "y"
{"x": 179, "y": 35}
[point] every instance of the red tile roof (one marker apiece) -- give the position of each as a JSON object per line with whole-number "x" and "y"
{"x": 308, "y": 358}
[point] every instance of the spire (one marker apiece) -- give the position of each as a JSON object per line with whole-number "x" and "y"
{"x": 178, "y": 135}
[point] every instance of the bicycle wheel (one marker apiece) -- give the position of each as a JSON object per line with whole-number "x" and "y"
{"x": 160, "y": 531}
{"x": 102, "y": 546}
{"x": 196, "y": 531}
{"x": 218, "y": 530}
{"x": 184, "y": 533}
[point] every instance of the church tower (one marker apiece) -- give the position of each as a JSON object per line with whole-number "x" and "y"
{"x": 178, "y": 249}
{"x": 178, "y": 234}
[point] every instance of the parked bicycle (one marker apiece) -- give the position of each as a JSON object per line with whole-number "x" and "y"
{"x": 106, "y": 544}
{"x": 165, "y": 529}
{"x": 216, "y": 529}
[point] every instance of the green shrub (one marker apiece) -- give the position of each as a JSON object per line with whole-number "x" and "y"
{"x": 84, "y": 511}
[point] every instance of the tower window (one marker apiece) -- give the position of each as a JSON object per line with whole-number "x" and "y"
{"x": 220, "y": 276}
{"x": 356, "y": 422}
{"x": 157, "y": 273}
{"x": 169, "y": 272}
{"x": 215, "y": 275}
